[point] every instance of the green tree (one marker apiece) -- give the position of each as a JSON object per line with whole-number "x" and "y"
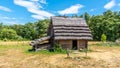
{"x": 18, "y": 29}
{"x": 42, "y": 26}
{"x": 87, "y": 17}
{"x": 108, "y": 23}
{"x": 29, "y": 31}
{"x": 8, "y": 34}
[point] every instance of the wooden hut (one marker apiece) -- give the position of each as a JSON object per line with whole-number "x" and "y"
{"x": 72, "y": 33}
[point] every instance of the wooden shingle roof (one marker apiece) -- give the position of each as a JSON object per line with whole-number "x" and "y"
{"x": 70, "y": 28}
{"x": 37, "y": 41}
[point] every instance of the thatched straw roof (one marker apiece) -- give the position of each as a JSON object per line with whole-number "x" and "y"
{"x": 70, "y": 28}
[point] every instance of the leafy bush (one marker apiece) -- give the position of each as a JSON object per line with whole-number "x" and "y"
{"x": 57, "y": 48}
{"x": 8, "y": 34}
{"x": 5, "y": 39}
{"x": 103, "y": 38}
{"x": 19, "y": 38}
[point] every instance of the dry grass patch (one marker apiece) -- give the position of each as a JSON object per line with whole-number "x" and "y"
{"x": 17, "y": 56}
{"x": 14, "y": 42}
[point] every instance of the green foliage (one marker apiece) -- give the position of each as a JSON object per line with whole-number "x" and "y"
{"x": 58, "y": 48}
{"x": 107, "y": 23}
{"x": 31, "y": 31}
{"x": 87, "y": 17}
{"x": 103, "y": 38}
{"x": 41, "y": 27}
{"x": 8, "y": 34}
{"x": 5, "y": 39}
{"x": 19, "y": 38}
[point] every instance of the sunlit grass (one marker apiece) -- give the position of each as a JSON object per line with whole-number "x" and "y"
{"x": 16, "y": 55}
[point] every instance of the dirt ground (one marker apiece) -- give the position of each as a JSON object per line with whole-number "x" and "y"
{"x": 99, "y": 57}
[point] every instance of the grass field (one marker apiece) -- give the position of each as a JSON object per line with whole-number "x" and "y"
{"x": 16, "y": 55}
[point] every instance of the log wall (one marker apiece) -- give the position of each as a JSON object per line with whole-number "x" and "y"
{"x": 82, "y": 44}
{"x": 66, "y": 44}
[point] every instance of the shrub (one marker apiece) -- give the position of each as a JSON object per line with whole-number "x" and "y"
{"x": 5, "y": 39}
{"x": 19, "y": 38}
{"x": 57, "y": 48}
{"x": 8, "y": 34}
{"x": 103, "y": 38}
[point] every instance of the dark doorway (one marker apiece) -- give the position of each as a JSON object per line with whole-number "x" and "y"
{"x": 74, "y": 44}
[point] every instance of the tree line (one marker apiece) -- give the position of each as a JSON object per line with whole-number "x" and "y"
{"x": 107, "y": 23}
{"x": 28, "y": 31}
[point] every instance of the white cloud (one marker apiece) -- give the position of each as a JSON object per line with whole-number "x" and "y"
{"x": 92, "y": 10}
{"x": 35, "y": 0}
{"x": 110, "y": 4}
{"x": 37, "y": 17}
{"x": 5, "y": 9}
{"x": 8, "y": 18}
{"x": 43, "y": 1}
{"x": 34, "y": 8}
{"x": 71, "y": 10}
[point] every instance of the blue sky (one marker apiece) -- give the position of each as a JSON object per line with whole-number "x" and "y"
{"x": 23, "y": 11}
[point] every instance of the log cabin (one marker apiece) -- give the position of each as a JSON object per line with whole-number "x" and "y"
{"x": 71, "y": 33}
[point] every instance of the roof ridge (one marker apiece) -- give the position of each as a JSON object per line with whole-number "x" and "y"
{"x": 66, "y": 17}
